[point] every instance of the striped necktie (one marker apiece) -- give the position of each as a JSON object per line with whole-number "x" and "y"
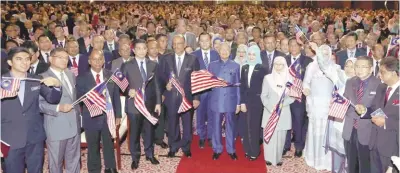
{"x": 360, "y": 94}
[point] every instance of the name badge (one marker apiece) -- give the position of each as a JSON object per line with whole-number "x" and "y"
{"x": 372, "y": 93}
{"x": 35, "y": 88}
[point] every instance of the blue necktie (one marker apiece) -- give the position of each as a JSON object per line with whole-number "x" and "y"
{"x": 206, "y": 59}
{"x": 179, "y": 65}
{"x": 142, "y": 72}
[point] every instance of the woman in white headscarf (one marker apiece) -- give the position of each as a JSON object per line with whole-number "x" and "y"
{"x": 273, "y": 87}
{"x": 318, "y": 89}
{"x": 333, "y": 136}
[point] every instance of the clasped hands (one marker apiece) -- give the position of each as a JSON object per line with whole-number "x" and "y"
{"x": 377, "y": 120}
{"x": 51, "y": 82}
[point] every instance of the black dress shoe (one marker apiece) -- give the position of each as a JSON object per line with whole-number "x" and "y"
{"x": 298, "y": 153}
{"x": 162, "y": 144}
{"x": 188, "y": 154}
{"x": 209, "y": 142}
{"x": 269, "y": 163}
{"x": 279, "y": 164}
{"x": 284, "y": 152}
{"x": 135, "y": 164}
{"x": 246, "y": 155}
{"x": 110, "y": 170}
{"x": 153, "y": 160}
{"x": 201, "y": 143}
{"x": 216, "y": 156}
{"x": 233, "y": 156}
{"x": 171, "y": 154}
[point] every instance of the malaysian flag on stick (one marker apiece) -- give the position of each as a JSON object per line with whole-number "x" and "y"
{"x": 9, "y": 87}
{"x": 393, "y": 42}
{"x": 120, "y": 79}
{"x": 203, "y": 80}
{"x": 297, "y": 85}
{"x": 4, "y": 148}
{"x": 93, "y": 109}
{"x": 141, "y": 107}
{"x": 356, "y": 17}
{"x": 273, "y": 119}
{"x": 185, "y": 105}
{"x": 339, "y": 105}
{"x": 299, "y": 33}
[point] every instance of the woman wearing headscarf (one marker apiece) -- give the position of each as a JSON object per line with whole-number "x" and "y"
{"x": 318, "y": 89}
{"x": 333, "y": 137}
{"x": 217, "y": 42}
{"x": 241, "y": 56}
{"x": 251, "y": 79}
{"x": 273, "y": 87}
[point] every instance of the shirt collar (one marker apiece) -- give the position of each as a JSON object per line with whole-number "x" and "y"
{"x": 140, "y": 60}
{"x": 57, "y": 73}
{"x": 35, "y": 64}
{"x": 112, "y": 42}
{"x": 270, "y": 53}
{"x": 182, "y": 56}
{"x": 95, "y": 73}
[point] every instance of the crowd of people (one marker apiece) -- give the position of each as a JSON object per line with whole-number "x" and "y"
{"x": 74, "y": 46}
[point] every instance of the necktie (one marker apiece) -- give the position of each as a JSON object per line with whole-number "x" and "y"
{"x": 47, "y": 57}
{"x": 142, "y": 72}
{"x": 74, "y": 64}
{"x": 387, "y": 95}
{"x": 32, "y": 70}
{"x": 269, "y": 62}
{"x": 351, "y": 54}
{"x": 64, "y": 83}
{"x": 61, "y": 44}
{"x": 206, "y": 59}
{"x": 110, "y": 46}
{"x": 360, "y": 93}
{"x": 377, "y": 68}
{"x": 97, "y": 79}
{"x": 370, "y": 53}
{"x": 179, "y": 65}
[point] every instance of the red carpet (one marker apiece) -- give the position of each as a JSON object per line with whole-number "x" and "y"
{"x": 201, "y": 161}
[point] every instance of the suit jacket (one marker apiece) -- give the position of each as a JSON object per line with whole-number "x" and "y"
{"x": 59, "y": 125}
{"x": 342, "y": 56}
{"x": 190, "y": 40}
{"x": 214, "y": 56}
{"x": 264, "y": 58}
{"x": 234, "y": 49}
{"x": 250, "y": 95}
{"x": 57, "y": 44}
{"x": 41, "y": 67}
{"x": 83, "y": 63}
{"x": 85, "y": 83}
{"x": 386, "y": 141}
{"x": 167, "y": 64}
{"x": 117, "y": 63}
{"x": 42, "y": 59}
{"x": 23, "y": 124}
{"x": 107, "y": 48}
{"x": 82, "y": 46}
{"x": 131, "y": 70}
{"x": 350, "y": 92}
{"x": 225, "y": 100}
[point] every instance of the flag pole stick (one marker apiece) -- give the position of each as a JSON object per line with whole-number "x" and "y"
{"x": 81, "y": 98}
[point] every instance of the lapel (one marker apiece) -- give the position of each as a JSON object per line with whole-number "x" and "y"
{"x": 184, "y": 64}
{"x": 137, "y": 71}
{"x": 72, "y": 82}
{"x": 246, "y": 74}
{"x": 149, "y": 69}
{"x": 28, "y": 93}
{"x": 394, "y": 96}
{"x": 355, "y": 88}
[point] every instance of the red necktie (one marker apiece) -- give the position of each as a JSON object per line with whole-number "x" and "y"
{"x": 370, "y": 53}
{"x": 97, "y": 79}
{"x": 74, "y": 64}
{"x": 387, "y": 95}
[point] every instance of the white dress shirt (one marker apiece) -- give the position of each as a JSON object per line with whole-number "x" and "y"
{"x": 351, "y": 51}
{"x": 251, "y": 69}
{"x": 100, "y": 73}
{"x": 295, "y": 58}
{"x": 374, "y": 65}
{"x": 154, "y": 59}
{"x": 112, "y": 45}
{"x": 176, "y": 60}
{"x": 76, "y": 59}
{"x": 43, "y": 53}
{"x": 394, "y": 87}
{"x": 62, "y": 41}
{"x": 208, "y": 55}
{"x": 144, "y": 63}
{"x": 35, "y": 66}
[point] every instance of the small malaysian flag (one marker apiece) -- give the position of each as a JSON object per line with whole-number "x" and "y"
{"x": 356, "y": 17}
{"x": 203, "y": 80}
{"x": 395, "y": 41}
{"x": 120, "y": 80}
{"x": 141, "y": 107}
{"x": 9, "y": 87}
{"x": 339, "y": 105}
{"x": 93, "y": 109}
{"x": 273, "y": 119}
{"x": 109, "y": 112}
{"x": 298, "y": 33}
{"x": 295, "y": 72}
{"x": 185, "y": 105}
{"x": 96, "y": 95}
{"x": 4, "y": 148}
{"x": 294, "y": 91}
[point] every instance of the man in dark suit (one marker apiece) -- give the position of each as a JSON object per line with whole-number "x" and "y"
{"x": 44, "y": 48}
{"x": 230, "y": 37}
{"x": 351, "y": 52}
{"x": 110, "y": 44}
{"x": 140, "y": 71}
{"x": 298, "y": 109}
{"x": 76, "y": 60}
{"x": 36, "y": 66}
{"x": 384, "y": 141}
{"x": 98, "y": 45}
{"x": 97, "y": 128}
{"x": 84, "y": 41}
{"x": 21, "y": 122}
{"x": 204, "y": 56}
{"x": 60, "y": 40}
{"x": 270, "y": 52}
{"x": 122, "y": 39}
{"x": 181, "y": 65}
{"x": 356, "y": 132}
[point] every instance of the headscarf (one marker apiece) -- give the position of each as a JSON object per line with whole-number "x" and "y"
{"x": 241, "y": 47}
{"x": 277, "y": 80}
{"x": 324, "y": 56}
{"x": 254, "y": 49}
{"x": 217, "y": 38}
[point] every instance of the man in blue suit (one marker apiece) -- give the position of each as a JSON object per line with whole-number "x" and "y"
{"x": 182, "y": 65}
{"x": 96, "y": 128}
{"x": 77, "y": 60}
{"x": 21, "y": 122}
{"x": 224, "y": 102}
{"x": 352, "y": 51}
{"x": 205, "y": 56}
